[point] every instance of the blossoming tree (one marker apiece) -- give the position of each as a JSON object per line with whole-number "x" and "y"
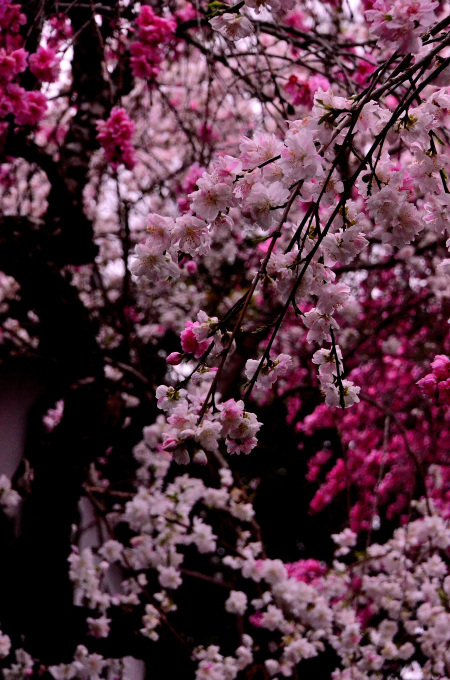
{"x": 225, "y": 261}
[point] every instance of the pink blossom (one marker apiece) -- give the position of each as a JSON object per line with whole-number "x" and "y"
{"x": 115, "y": 135}
{"x": 145, "y": 60}
{"x": 149, "y": 261}
{"x": 302, "y": 92}
{"x": 12, "y": 63}
{"x": 236, "y": 603}
{"x": 261, "y": 148}
{"x": 332, "y": 297}
{"x": 441, "y": 367}
{"x": 11, "y": 20}
{"x": 437, "y": 383}
{"x": 399, "y": 24}
{"x": 262, "y": 201}
{"x": 334, "y": 395}
{"x": 174, "y": 358}
{"x": 61, "y": 30}
{"x": 211, "y": 198}
{"x": 300, "y": 159}
{"x": 153, "y": 28}
{"x": 270, "y": 370}
{"x": 232, "y": 26}
{"x": 189, "y": 341}
{"x": 192, "y": 235}
{"x": 191, "y": 267}
{"x": 32, "y": 107}
{"x": 154, "y": 33}
{"x": 160, "y": 230}
{"x": 319, "y": 325}
{"x": 44, "y": 64}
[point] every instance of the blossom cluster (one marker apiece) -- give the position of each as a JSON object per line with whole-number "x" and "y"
{"x": 44, "y": 64}
{"x": 115, "y": 136}
{"x": 437, "y": 383}
{"x": 258, "y": 185}
{"x": 236, "y": 25}
{"x": 154, "y": 32}
{"x": 388, "y": 611}
{"x": 27, "y": 107}
{"x": 270, "y": 369}
{"x": 192, "y": 430}
{"x": 255, "y": 188}
{"x": 400, "y": 24}
{"x": 384, "y": 466}
{"x": 390, "y": 621}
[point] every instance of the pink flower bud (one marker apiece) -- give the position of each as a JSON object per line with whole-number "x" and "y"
{"x": 200, "y": 458}
{"x": 191, "y": 267}
{"x": 170, "y": 444}
{"x": 175, "y": 358}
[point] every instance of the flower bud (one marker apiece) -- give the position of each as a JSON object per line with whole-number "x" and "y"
{"x": 175, "y": 358}
{"x": 170, "y": 444}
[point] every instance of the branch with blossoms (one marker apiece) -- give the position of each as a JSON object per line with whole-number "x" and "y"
{"x": 212, "y": 203}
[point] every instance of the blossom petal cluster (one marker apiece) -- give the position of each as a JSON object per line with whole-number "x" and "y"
{"x": 25, "y": 107}
{"x": 115, "y": 136}
{"x": 437, "y": 383}
{"x": 154, "y": 32}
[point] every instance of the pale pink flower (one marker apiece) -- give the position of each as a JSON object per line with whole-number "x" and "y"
{"x": 9, "y": 499}
{"x": 169, "y": 397}
{"x": 344, "y": 246}
{"x": 299, "y": 158}
{"x": 227, "y": 168}
{"x": 326, "y": 361}
{"x": 192, "y": 234}
{"x": 371, "y": 118}
{"x": 204, "y": 325}
{"x": 203, "y": 536}
{"x": 437, "y": 211}
{"x": 399, "y": 24}
{"x": 262, "y": 201}
{"x": 237, "y": 446}
{"x": 236, "y": 603}
{"x": 149, "y": 261}
{"x": 405, "y": 226}
{"x": 211, "y": 198}
{"x": 207, "y": 434}
{"x": 169, "y": 577}
{"x": 159, "y": 228}
{"x": 319, "y": 325}
{"x": 333, "y": 394}
{"x": 151, "y": 621}
{"x": 232, "y": 26}
{"x": 98, "y": 628}
{"x": 261, "y": 148}
{"x": 270, "y": 371}
{"x": 333, "y": 296}
{"x": 325, "y": 100}
{"x": 63, "y": 671}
